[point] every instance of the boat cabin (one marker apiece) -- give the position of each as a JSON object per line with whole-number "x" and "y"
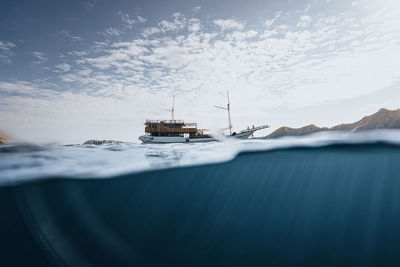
{"x": 172, "y": 128}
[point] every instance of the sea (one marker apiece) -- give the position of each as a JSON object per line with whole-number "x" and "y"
{"x": 330, "y": 199}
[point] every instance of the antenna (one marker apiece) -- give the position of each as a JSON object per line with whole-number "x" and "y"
{"x": 228, "y": 108}
{"x": 229, "y": 113}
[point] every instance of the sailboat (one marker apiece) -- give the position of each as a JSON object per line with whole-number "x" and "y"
{"x": 244, "y": 134}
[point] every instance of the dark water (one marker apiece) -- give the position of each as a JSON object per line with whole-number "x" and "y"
{"x": 333, "y": 205}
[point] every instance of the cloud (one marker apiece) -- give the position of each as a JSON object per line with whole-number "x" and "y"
{"x": 78, "y": 53}
{"x": 38, "y": 114}
{"x": 113, "y": 32}
{"x": 166, "y": 25}
{"x": 25, "y": 89}
{"x": 141, "y": 19}
{"x": 228, "y": 24}
{"x": 150, "y": 31}
{"x": 194, "y": 25}
{"x": 282, "y": 62}
{"x": 6, "y": 45}
{"x": 178, "y": 23}
{"x": 63, "y": 67}
{"x": 196, "y": 9}
{"x": 304, "y": 21}
{"x": 40, "y": 57}
{"x": 67, "y": 35}
{"x": 5, "y": 51}
{"x": 126, "y": 18}
{"x": 89, "y": 5}
{"x": 269, "y": 22}
{"x": 130, "y": 21}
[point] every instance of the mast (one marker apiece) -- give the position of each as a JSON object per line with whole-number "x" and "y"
{"x": 228, "y": 108}
{"x": 173, "y": 109}
{"x": 229, "y": 113}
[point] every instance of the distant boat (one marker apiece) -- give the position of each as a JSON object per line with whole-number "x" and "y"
{"x": 177, "y": 131}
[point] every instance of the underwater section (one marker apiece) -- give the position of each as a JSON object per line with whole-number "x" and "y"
{"x": 331, "y": 205}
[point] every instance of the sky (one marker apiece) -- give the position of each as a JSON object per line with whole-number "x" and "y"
{"x": 77, "y": 70}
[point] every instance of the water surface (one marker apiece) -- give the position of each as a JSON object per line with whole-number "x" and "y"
{"x": 317, "y": 201}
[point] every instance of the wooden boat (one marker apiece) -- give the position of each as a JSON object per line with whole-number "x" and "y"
{"x": 177, "y": 131}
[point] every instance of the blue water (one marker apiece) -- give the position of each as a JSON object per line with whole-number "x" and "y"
{"x": 325, "y": 200}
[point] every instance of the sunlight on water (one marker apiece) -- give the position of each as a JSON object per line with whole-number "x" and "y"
{"x": 24, "y": 162}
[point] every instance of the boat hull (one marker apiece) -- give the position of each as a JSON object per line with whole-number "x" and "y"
{"x": 146, "y": 139}
{"x": 244, "y": 135}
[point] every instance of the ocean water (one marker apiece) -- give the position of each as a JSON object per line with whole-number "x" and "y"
{"x": 30, "y": 162}
{"x": 321, "y": 200}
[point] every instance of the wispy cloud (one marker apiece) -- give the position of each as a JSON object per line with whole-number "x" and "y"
{"x": 63, "y": 67}
{"x": 40, "y": 57}
{"x": 196, "y": 9}
{"x": 89, "y": 5}
{"x": 78, "y": 53}
{"x": 268, "y": 23}
{"x": 178, "y": 22}
{"x": 6, "y": 51}
{"x": 113, "y": 31}
{"x": 67, "y": 35}
{"x": 141, "y": 19}
{"x": 129, "y": 21}
{"x": 304, "y": 21}
{"x": 194, "y": 25}
{"x": 25, "y": 89}
{"x": 229, "y": 24}
{"x": 150, "y": 31}
{"x": 283, "y": 60}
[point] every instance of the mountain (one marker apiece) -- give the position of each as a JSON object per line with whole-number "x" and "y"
{"x": 383, "y": 119}
{"x": 4, "y": 137}
{"x": 287, "y": 131}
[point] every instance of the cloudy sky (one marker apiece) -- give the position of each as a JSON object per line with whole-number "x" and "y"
{"x": 76, "y": 70}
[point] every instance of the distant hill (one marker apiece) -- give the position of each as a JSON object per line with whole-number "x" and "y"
{"x": 383, "y": 119}
{"x": 4, "y": 137}
{"x": 287, "y": 131}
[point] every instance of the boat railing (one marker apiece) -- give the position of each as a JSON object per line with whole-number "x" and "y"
{"x": 253, "y": 129}
{"x": 165, "y": 121}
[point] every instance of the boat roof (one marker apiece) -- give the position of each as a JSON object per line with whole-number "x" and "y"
{"x": 165, "y": 121}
